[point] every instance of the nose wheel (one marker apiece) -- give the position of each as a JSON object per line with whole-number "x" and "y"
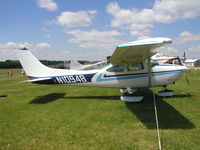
{"x": 166, "y": 92}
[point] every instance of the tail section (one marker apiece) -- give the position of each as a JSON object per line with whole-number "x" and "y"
{"x": 32, "y": 66}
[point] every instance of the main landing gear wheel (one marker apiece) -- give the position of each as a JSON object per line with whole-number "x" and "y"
{"x": 166, "y": 93}
{"x": 128, "y": 95}
{"x": 131, "y": 98}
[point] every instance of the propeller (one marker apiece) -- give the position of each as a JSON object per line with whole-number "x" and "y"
{"x": 184, "y": 56}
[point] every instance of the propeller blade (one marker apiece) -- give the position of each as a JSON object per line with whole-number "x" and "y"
{"x": 184, "y": 58}
{"x": 184, "y": 55}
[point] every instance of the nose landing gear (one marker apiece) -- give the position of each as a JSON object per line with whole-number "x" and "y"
{"x": 166, "y": 92}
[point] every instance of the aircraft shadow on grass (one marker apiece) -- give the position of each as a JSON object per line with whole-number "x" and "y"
{"x": 55, "y": 96}
{"x": 169, "y": 117}
{"x": 47, "y": 98}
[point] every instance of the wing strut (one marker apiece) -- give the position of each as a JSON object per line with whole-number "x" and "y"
{"x": 149, "y": 71}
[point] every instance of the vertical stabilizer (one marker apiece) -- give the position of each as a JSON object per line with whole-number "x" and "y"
{"x": 31, "y": 65}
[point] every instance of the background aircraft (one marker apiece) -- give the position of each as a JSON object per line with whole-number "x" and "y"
{"x": 161, "y": 58}
{"x": 74, "y": 64}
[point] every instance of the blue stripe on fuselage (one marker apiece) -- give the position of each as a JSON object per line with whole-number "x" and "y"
{"x": 68, "y": 79}
{"x": 105, "y": 77}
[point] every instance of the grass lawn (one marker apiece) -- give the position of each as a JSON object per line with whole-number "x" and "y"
{"x": 49, "y": 117}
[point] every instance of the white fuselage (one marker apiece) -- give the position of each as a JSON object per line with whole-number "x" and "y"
{"x": 133, "y": 75}
{"x": 161, "y": 75}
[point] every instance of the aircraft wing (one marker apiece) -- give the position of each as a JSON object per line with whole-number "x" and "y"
{"x": 138, "y": 50}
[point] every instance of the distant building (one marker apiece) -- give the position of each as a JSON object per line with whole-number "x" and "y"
{"x": 192, "y": 62}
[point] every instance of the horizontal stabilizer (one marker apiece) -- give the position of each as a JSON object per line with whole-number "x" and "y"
{"x": 36, "y": 80}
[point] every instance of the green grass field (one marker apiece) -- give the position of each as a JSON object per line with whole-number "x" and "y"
{"x": 54, "y": 117}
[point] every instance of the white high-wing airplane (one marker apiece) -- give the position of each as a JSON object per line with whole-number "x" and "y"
{"x": 161, "y": 58}
{"x": 129, "y": 68}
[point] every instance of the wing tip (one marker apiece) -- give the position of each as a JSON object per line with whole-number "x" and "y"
{"x": 157, "y": 40}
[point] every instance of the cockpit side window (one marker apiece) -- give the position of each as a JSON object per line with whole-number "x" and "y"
{"x": 117, "y": 68}
{"x": 134, "y": 67}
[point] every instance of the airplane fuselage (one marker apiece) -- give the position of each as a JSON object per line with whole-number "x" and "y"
{"x": 118, "y": 76}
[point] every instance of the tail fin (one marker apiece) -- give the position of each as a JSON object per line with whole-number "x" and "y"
{"x": 32, "y": 66}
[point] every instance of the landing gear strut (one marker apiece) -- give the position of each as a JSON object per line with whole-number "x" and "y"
{"x": 166, "y": 92}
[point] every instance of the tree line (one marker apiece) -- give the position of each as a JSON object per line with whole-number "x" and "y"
{"x": 16, "y": 64}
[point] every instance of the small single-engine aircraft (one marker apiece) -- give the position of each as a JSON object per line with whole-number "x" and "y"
{"x": 163, "y": 59}
{"x": 129, "y": 68}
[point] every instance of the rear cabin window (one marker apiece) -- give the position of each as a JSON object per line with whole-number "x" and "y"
{"x": 134, "y": 67}
{"x": 117, "y": 68}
